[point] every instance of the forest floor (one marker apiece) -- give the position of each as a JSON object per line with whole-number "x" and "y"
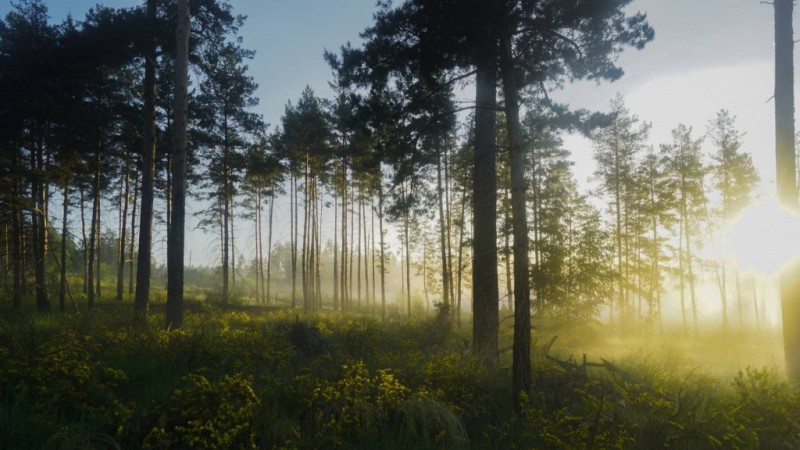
{"x": 260, "y": 377}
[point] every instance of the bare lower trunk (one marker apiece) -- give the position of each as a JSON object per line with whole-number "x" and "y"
{"x": 442, "y": 239}
{"x": 122, "y": 236}
{"x": 85, "y": 242}
{"x": 269, "y": 247}
{"x": 175, "y": 237}
{"x": 383, "y": 256}
{"x": 62, "y": 289}
{"x": 133, "y": 232}
{"x": 335, "y": 254}
{"x": 144, "y": 260}
{"x": 485, "y": 321}
{"x": 93, "y": 231}
{"x": 521, "y": 358}
{"x": 786, "y": 172}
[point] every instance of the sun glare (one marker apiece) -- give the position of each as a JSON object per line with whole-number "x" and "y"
{"x": 765, "y": 237}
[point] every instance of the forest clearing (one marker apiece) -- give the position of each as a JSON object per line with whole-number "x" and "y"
{"x": 415, "y": 224}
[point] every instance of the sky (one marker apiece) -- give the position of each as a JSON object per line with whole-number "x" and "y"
{"x": 707, "y": 55}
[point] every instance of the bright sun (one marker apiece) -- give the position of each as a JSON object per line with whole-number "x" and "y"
{"x": 765, "y": 237}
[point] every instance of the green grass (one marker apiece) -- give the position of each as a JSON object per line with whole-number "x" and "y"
{"x": 232, "y": 378}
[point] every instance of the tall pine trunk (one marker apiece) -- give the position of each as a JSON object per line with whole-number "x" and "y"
{"x": 176, "y": 232}
{"x": 485, "y": 324}
{"x": 40, "y": 228}
{"x": 144, "y": 260}
{"x": 786, "y": 172}
{"x": 122, "y": 236}
{"x": 442, "y": 233}
{"x": 269, "y": 247}
{"x": 383, "y": 256}
{"x": 93, "y": 228}
{"x": 133, "y": 231}
{"x": 521, "y": 358}
{"x": 62, "y": 288}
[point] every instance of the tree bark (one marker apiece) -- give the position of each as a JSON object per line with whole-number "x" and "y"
{"x": 176, "y": 232}
{"x": 93, "y": 228}
{"x": 785, "y": 180}
{"x": 122, "y": 235}
{"x": 383, "y": 256}
{"x": 269, "y": 247}
{"x": 144, "y": 260}
{"x": 485, "y": 323}
{"x": 17, "y": 229}
{"x": 85, "y": 242}
{"x": 335, "y": 254}
{"x": 442, "y": 233}
{"x": 521, "y": 358}
{"x": 62, "y": 289}
{"x": 133, "y": 231}
{"x": 40, "y": 206}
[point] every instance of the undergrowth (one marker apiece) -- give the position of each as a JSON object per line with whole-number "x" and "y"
{"x": 231, "y": 379}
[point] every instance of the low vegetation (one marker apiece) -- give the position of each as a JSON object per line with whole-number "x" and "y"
{"x": 270, "y": 378}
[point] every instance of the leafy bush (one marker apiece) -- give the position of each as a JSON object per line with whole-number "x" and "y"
{"x": 207, "y": 415}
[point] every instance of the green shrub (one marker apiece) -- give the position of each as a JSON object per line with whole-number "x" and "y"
{"x": 207, "y": 415}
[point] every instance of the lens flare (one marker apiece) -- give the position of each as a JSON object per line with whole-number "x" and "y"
{"x": 765, "y": 237}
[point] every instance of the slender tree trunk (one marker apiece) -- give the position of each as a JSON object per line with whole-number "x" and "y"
{"x": 168, "y": 193}
{"x": 233, "y": 239}
{"x": 144, "y": 260}
{"x": 225, "y": 234}
{"x": 17, "y": 230}
{"x": 6, "y": 256}
{"x": 521, "y": 364}
{"x": 681, "y": 270}
{"x": 462, "y": 225}
{"x": 786, "y": 172}
{"x": 343, "y": 274}
{"x": 425, "y": 275}
{"x": 304, "y": 254}
{"x": 122, "y": 236}
{"x": 692, "y": 290}
{"x": 42, "y": 300}
{"x": 260, "y": 244}
{"x": 62, "y": 289}
{"x": 99, "y": 246}
{"x": 85, "y": 242}
{"x": 93, "y": 228}
{"x": 442, "y": 235}
{"x": 358, "y": 204}
{"x": 293, "y": 217}
{"x": 372, "y": 226}
{"x": 256, "y": 232}
{"x": 507, "y": 254}
{"x": 133, "y": 231}
{"x": 408, "y": 254}
{"x": 319, "y": 220}
{"x": 350, "y": 255}
{"x": 366, "y": 253}
{"x": 335, "y": 254}
{"x": 449, "y": 239}
{"x": 383, "y": 247}
{"x": 485, "y": 323}
{"x": 269, "y": 247}
{"x": 176, "y": 232}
